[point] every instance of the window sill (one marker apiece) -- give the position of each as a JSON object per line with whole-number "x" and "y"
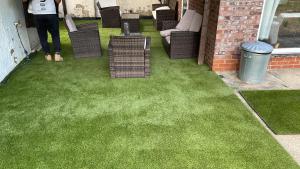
{"x": 286, "y": 51}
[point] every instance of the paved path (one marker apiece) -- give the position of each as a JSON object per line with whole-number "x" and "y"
{"x": 285, "y": 79}
{"x": 292, "y": 144}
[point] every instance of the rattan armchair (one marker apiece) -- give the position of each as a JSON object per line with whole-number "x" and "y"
{"x": 110, "y": 16}
{"x": 182, "y": 43}
{"x": 85, "y": 40}
{"x": 129, "y": 56}
{"x": 160, "y": 15}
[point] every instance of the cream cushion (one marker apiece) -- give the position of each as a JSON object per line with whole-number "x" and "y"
{"x": 186, "y": 21}
{"x": 160, "y": 8}
{"x": 196, "y": 23}
{"x": 166, "y": 33}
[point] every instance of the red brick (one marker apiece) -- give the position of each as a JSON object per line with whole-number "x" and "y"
{"x": 232, "y": 22}
{"x": 275, "y": 67}
{"x": 297, "y": 66}
{"x": 284, "y": 62}
{"x": 277, "y": 59}
{"x": 232, "y": 61}
{"x": 293, "y": 62}
{"x": 235, "y": 27}
{"x": 219, "y": 61}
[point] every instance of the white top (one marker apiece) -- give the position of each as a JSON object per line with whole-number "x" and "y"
{"x": 42, "y": 7}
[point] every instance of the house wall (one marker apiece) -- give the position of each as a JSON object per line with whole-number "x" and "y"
{"x": 212, "y": 32}
{"x": 179, "y": 9}
{"x": 87, "y": 8}
{"x": 284, "y": 62}
{"x": 198, "y": 5}
{"x": 143, "y": 7}
{"x": 80, "y": 8}
{"x": 238, "y": 21}
{"x": 11, "y": 51}
{"x": 232, "y": 22}
{"x": 33, "y": 39}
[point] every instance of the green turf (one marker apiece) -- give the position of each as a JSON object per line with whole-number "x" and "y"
{"x": 72, "y": 115}
{"x": 279, "y": 109}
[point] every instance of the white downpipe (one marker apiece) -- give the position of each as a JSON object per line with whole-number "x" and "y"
{"x": 261, "y": 18}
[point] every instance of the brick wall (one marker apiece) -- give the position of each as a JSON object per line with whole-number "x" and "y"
{"x": 232, "y": 22}
{"x": 179, "y": 9}
{"x": 238, "y": 21}
{"x": 284, "y": 62}
{"x": 197, "y": 5}
{"x": 212, "y": 32}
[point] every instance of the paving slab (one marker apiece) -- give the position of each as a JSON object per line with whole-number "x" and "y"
{"x": 290, "y": 77}
{"x": 292, "y": 144}
{"x": 285, "y": 79}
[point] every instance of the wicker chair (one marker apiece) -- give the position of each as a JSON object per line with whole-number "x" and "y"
{"x": 180, "y": 42}
{"x": 85, "y": 38}
{"x": 169, "y": 12}
{"x": 129, "y": 56}
{"x": 110, "y": 16}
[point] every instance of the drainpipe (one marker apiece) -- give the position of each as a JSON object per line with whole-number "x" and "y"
{"x": 64, "y": 7}
{"x": 97, "y": 10}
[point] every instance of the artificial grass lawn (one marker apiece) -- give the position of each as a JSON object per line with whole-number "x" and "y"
{"x": 72, "y": 115}
{"x": 279, "y": 109}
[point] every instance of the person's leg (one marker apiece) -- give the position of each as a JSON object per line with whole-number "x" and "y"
{"x": 41, "y": 25}
{"x": 53, "y": 28}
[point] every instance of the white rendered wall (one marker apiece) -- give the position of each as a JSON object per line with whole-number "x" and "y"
{"x": 11, "y": 51}
{"x": 143, "y": 7}
{"x": 87, "y": 8}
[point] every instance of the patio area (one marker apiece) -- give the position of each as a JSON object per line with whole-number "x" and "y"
{"x": 73, "y": 115}
{"x": 280, "y": 79}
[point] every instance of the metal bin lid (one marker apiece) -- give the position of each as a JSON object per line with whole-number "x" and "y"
{"x": 257, "y": 47}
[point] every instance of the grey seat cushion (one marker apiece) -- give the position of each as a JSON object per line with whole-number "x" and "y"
{"x": 196, "y": 23}
{"x": 70, "y": 23}
{"x": 166, "y": 33}
{"x": 186, "y": 21}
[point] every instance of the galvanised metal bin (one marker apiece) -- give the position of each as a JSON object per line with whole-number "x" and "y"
{"x": 254, "y": 61}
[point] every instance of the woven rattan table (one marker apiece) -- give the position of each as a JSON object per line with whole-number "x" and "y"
{"x": 133, "y": 19}
{"x": 129, "y": 56}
